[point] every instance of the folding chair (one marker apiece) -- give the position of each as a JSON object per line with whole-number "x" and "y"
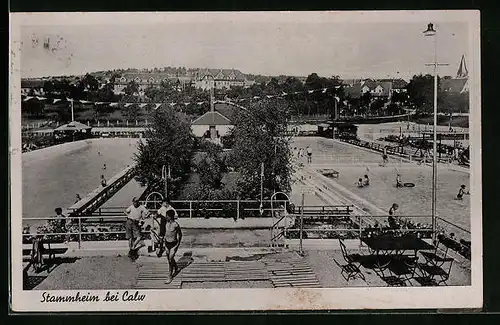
{"x": 402, "y": 270}
{"x": 439, "y": 256}
{"x": 349, "y": 270}
{"x": 433, "y": 274}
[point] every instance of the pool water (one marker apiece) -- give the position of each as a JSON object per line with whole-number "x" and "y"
{"x": 382, "y": 190}
{"x": 333, "y": 151}
{"x": 51, "y": 178}
{"x": 417, "y": 200}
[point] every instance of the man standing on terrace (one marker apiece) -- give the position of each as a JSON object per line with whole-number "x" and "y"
{"x": 135, "y": 213}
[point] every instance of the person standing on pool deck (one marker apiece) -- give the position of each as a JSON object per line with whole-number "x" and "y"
{"x": 173, "y": 237}
{"x": 398, "y": 180}
{"x": 301, "y": 152}
{"x": 309, "y": 154}
{"x": 135, "y": 213}
{"x": 162, "y": 212}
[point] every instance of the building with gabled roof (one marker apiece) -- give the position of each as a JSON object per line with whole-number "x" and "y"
{"x": 219, "y": 78}
{"x": 217, "y": 122}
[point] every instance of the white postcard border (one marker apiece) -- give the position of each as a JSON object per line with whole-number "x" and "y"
{"x": 252, "y": 299}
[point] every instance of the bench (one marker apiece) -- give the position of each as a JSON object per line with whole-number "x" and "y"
{"x": 51, "y": 252}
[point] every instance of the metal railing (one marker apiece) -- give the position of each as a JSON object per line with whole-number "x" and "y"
{"x": 315, "y": 221}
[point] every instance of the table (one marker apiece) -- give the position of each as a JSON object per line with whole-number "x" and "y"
{"x": 389, "y": 244}
{"x": 387, "y": 248}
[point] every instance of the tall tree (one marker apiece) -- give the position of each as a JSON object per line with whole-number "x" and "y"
{"x": 212, "y": 167}
{"x": 169, "y": 142}
{"x": 132, "y": 88}
{"x": 421, "y": 92}
{"x": 259, "y": 137}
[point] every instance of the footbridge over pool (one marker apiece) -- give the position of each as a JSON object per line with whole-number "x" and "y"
{"x": 95, "y": 199}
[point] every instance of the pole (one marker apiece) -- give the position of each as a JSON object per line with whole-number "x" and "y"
{"x": 434, "y": 147}
{"x": 261, "y": 188}
{"x": 301, "y": 224}
{"x": 165, "y": 180}
{"x": 72, "y": 112}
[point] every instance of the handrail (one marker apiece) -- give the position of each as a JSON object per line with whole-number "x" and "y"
{"x": 278, "y": 235}
{"x": 454, "y": 225}
{"x": 277, "y": 222}
{"x": 335, "y": 215}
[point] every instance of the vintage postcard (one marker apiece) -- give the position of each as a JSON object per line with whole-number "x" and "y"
{"x": 245, "y": 161}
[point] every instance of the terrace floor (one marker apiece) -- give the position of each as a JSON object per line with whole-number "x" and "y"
{"x": 215, "y": 268}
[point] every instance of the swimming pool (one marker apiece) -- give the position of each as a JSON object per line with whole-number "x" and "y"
{"x": 382, "y": 191}
{"x": 52, "y": 177}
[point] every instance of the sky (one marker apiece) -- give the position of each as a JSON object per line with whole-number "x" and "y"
{"x": 268, "y": 47}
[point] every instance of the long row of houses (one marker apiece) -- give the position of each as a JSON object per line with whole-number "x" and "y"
{"x": 227, "y": 78}
{"x": 200, "y": 78}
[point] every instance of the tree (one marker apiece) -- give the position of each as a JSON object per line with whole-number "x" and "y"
{"x": 212, "y": 167}
{"x": 376, "y": 106}
{"x": 132, "y": 88}
{"x": 421, "y": 92}
{"x": 259, "y": 137}
{"x": 450, "y": 102}
{"x": 169, "y": 142}
{"x": 89, "y": 82}
{"x": 364, "y": 102}
{"x": 400, "y": 97}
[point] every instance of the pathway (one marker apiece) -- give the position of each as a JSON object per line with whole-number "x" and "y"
{"x": 280, "y": 272}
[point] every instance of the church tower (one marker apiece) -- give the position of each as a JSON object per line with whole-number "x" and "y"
{"x": 462, "y": 72}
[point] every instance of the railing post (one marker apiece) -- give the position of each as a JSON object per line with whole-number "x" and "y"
{"x": 238, "y": 209}
{"x": 190, "y": 209}
{"x": 360, "y": 228}
{"x": 79, "y": 232}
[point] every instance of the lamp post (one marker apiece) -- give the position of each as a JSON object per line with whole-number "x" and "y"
{"x": 165, "y": 173}
{"x": 431, "y": 32}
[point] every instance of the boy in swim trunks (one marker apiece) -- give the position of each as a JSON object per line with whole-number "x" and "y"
{"x": 173, "y": 236}
{"x": 461, "y": 192}
{"x": 162, "y": 213}
{"x": 309, "y": 154}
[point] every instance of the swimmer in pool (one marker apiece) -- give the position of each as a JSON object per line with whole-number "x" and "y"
{"x": 366, "y": 181}
{"x": 461, "y": 192}
{"x": 104, "y": 167}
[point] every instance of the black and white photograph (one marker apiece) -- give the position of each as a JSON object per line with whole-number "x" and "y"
{"x": 245, "y": 161}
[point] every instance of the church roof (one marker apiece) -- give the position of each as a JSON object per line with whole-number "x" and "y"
{"x": 462, "y": 69}
{"x": 212, "y": 118}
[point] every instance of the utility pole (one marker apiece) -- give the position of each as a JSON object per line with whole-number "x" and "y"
{"x": 432, "y": 32}
{"x": 301, "y": 251}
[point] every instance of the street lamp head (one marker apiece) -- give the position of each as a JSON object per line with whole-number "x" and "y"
{"x": 430, "y": 30}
